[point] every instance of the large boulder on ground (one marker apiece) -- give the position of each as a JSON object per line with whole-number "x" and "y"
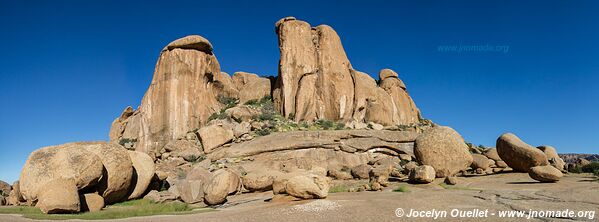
{"x": 214, "y": 136}
{"x": 259, "y": 181}
{"x": 59, "y": 196}
{"x": 222, "y": 183}
{"x": 361, "y": 171}
{"x": 307, "y": 186}
{"x": 117, "y": 178}
{"x": 553, "y": 158}
{"x": 191, "y": 191}
{"x": 68, "y": 161}
{"x": 91, "y": 202}
{"x": 144, "y": 171}
{"x": 422, "y": 174}
{"x": 545, "y": 173}
{"x": 444, "y": 149}
{"x": 518, "y": 155}
{"x": 480, "y": 161}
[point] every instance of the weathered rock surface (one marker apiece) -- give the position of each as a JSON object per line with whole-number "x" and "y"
{"x": 480, "y": 161}
{"x": 91, "y": 202}
{"x": 5, "y": 188}
{"x": 361, "y": 171}
{"x": 392, "y": 142}
{"x": 15, "y": 197}
{"x": 68, "y": 161}
{"x": 144, "y": 171}
{"x": 260, "y": 180}
{"x": 118, "y": 174}
{"x": 185, "y": 149}
{"x": 519, "y": 155}
{"x": 492, "y": 154}
{"x": 191, "y": 191}
{"x": 405, "y": 111}
{"x": 250, "y": 86}
{"x": 545, "y": 173}
{"x": 553, "y": 158}
{"x": 423, "y": 174}
{"x": 307, "y": 186}
{"x": 444, "y": 149}
{"x": 214, "y": 136}
{"x": 160, "y": 197}
{"x": 222, "y": 183}
{"x": 316, "y": 81}
{"x": 59, "y": 196}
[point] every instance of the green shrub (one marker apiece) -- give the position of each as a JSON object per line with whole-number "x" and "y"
{"x": 227, "y": 101}
{"x": 263, "y": 132}
{"x": 124, "y": 141}
{"x": 402, "y": 189}
{"x": 590, "y": 168}
{"x": 259, "y": 102}
{"x": 218, "y": 115}
{"x": 325, "y": 124}
{"x": 576, "y": 169}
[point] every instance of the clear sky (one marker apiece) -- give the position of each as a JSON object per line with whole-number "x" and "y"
{"x": 67, "y": 69}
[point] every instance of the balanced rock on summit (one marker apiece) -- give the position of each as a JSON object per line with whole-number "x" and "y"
{"x": 184, "y": 92}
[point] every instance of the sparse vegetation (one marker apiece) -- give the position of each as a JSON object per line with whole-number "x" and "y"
{"x": 134, "y": 208}
{"x": 339, "y": 189}
{"x": 229, "y": 102}
{"x": 593, "y": 167}
{"x": 402, "y": 189}
{"x": 218, "y": 115}
{"x": 124, "y": 141}
{"x": 256, "y": 103}
{"x": 196, "y": 159}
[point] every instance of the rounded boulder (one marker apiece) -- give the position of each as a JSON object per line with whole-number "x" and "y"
{"x": 443, "y": 149}
{"x": 144, "y": 169}
{"x": 518, "y": 155}
{"x": 546, "y": 174}
{"x": 68, "y": 161}
{"x": 117, "y": 178}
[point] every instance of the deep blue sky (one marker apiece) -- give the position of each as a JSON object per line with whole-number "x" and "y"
{"x": 67, "y": 69}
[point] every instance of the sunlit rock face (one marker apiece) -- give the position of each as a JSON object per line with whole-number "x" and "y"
{"x": 317, "y": 81}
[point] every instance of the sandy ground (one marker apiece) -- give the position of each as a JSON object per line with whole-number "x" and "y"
{"x": 495, "y": 193}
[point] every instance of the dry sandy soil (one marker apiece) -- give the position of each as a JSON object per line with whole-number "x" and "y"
{"x": 500, "y": 192}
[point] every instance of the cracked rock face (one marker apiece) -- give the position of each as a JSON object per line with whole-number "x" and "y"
{"x": 317, "y": 81}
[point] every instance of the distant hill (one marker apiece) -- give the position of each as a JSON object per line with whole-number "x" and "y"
{"x": 571, "y": 157}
